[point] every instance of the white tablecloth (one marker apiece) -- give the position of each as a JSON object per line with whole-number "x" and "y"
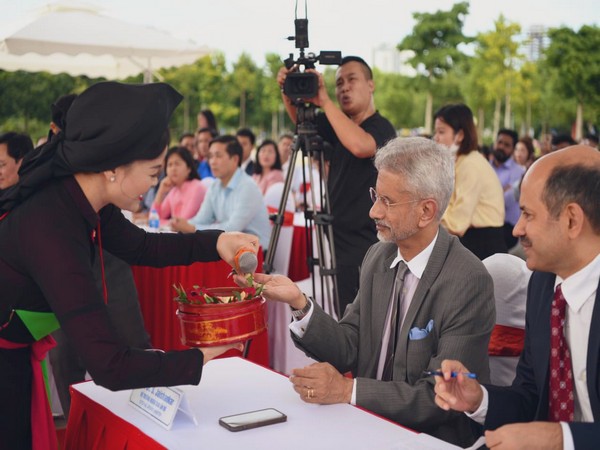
{"x": 234, "y": 385}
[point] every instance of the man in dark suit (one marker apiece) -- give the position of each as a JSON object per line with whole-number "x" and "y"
{"x": 557, "y": 383}
{"x": 247, "y": 139}
{"x": 445, "y": 303}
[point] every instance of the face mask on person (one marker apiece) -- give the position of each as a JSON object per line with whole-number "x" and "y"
{"x": 500, "y": 156}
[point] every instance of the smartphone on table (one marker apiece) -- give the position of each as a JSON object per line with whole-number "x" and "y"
{"x": 252, "y": 419}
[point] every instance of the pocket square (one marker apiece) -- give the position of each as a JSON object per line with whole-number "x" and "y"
{"x": 417, "y": 333}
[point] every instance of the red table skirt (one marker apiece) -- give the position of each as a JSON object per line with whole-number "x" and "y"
{"x": 93, "y": 427}
{"x": 298, "y": 269}
{"x": 156, "y": 293}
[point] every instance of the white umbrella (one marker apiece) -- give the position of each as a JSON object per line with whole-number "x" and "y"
{"x": 79, "y": 41}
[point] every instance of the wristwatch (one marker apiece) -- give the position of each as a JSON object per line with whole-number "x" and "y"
{"x": 300, "y": 313}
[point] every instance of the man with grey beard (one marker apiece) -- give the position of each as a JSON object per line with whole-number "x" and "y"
{"x": 422, "y": 297}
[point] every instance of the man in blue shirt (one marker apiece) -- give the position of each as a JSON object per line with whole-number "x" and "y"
{"x": 202, "y": 142}
{"x": 234, "y": 202}
{"x": 510, "y": 174}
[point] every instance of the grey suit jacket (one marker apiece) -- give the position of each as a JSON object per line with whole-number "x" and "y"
{"x": 455, "y": 291}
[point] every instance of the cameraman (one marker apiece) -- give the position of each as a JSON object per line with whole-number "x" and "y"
{"x": 355, "y": 131}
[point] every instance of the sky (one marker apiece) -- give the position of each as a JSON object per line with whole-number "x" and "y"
{"x": 354, "y": 27}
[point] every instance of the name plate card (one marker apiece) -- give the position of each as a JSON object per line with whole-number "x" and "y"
{"x": 161, "y": 404}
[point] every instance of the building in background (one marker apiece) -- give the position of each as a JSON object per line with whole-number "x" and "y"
{"x": 387, "y": 58}
{"x": 536, "y": 41}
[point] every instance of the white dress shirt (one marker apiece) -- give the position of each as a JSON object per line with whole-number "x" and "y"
{"x": 416, "y": 267}
{"x": 579, "y": 291}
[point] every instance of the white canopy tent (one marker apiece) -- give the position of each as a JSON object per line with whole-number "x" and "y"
{"x": 79, "y": 41}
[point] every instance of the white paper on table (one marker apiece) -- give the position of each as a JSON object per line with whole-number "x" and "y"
{"x": 423, "y": 441}
{"x": 478, "y": 443}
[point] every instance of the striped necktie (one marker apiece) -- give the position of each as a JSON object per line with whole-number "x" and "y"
{"x": 395, "y": 319}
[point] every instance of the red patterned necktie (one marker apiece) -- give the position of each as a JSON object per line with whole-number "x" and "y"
{"x": 561, "y": 403}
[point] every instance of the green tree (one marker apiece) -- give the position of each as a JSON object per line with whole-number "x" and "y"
{"x": 243, "y": 83}
{"x": 527, "y": 93}
{"x": 395, "y": 99}
{"x": 201, "y": 85}
{"x": 556, "y": 112}
{"x": 271, "y": 96}
{"x": 184, "y": 79}
{"x": 494, "y": 69}
{"x": 26, "y": 99}
{"x": 402, "y": 99}
{"x": 474, "y": 89}
{"x": 574, "y": 59}
{"x": 435, "y": 39}
{"x": 212, "y": 92}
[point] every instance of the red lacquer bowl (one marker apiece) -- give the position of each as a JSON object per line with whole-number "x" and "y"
{"x": 208, "y": 325}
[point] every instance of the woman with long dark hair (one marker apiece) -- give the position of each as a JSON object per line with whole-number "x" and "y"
{"x": 206, "y": 119}
{"x": 267, "y": 169}
{"x": 476, "y": 210}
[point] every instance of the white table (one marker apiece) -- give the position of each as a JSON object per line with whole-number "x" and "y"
{"x": 234, "y": 385}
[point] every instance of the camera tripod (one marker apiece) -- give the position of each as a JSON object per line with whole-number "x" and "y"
{"x": 309, "y": 143}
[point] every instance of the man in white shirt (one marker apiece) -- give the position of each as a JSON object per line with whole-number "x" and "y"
{"x": 558, "y": 380}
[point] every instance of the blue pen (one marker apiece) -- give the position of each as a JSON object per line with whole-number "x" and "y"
{"x": 438, "y": 373}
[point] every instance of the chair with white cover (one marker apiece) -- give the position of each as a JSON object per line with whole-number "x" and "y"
{"x": 299, "y": 188}
{"x": 511, "y": 277}
{"x": 285, "y": 356}
{"x": 283, "y": 249}
{"x": 279, "y": 314}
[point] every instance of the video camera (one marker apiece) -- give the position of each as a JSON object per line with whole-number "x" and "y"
{"x": 299, "y": 86}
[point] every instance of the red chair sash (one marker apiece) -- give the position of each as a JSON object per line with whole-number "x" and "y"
{"x": 506, "y": 341}
{"x": 288, "y": 216}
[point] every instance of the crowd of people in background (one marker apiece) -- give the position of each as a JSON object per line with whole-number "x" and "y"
{"x": 460, "y": 204}
{"x": 475, "y": 208}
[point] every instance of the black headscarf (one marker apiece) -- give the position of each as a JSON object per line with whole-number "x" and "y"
{"x": 110, "y": 124}
{"x": 59, "y": 112}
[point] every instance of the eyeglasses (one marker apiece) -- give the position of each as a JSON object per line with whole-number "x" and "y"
{"x": 385, "y": 200}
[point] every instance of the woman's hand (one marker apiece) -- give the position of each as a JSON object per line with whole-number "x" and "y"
{"x": 181, "y": 225}
{"x": 166, "y": 183}
{"x": 212, "y": 352}
{"x": 231, "y": 242}
{"x": 163, "y": 189}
